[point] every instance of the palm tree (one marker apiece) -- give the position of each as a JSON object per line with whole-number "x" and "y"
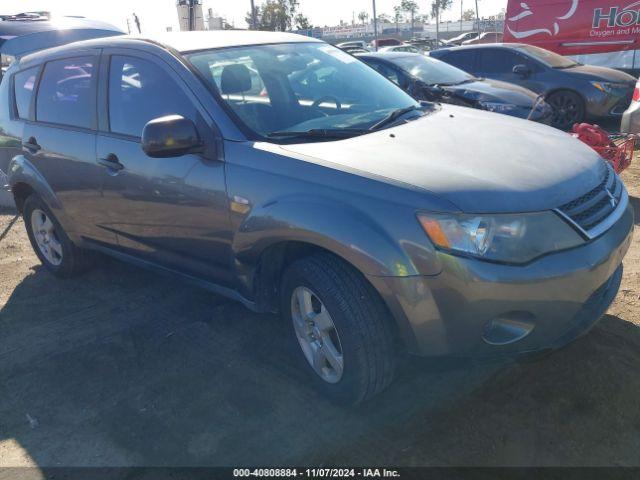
{"x": 411, "y": 7}
{"x": 397, "y": 11}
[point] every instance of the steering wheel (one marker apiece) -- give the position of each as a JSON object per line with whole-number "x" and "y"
{"x": 325, "y": 98}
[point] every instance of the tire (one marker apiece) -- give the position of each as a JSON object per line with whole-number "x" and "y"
{"x": 362, "y": 324}
{"x": 60, "y": 256}
{"x": 568, "y": 109}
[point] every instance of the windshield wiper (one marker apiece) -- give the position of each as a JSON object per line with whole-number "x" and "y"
{"x": 454, "y": 84}
{"x": 319, "y": 133}
{"x": 393, "y": 116}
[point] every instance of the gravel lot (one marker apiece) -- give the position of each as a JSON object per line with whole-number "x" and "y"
{"x": 121, "y": 367}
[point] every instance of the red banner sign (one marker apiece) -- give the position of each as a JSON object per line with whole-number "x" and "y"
{"x": 572, "y": 27}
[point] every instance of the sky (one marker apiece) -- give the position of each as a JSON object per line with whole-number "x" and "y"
{"x": 157, "y": 15}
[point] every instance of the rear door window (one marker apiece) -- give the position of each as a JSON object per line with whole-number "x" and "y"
{"x": 141, "y": 91}
{"x": 463, "y": 59}
{"x": 498, "y": 61}
{"x": 24, "y": 84}
{"x": 66, "y": 94}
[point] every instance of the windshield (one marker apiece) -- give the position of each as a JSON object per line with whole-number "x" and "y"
{"x": 432, "y": 71}
{"x": 550, "y": 59}
{"x": 297, "y": 87}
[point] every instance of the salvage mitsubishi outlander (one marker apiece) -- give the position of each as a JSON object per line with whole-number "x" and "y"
{"x": 284, "y": 173}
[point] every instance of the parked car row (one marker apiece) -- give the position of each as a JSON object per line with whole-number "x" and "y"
{"x": 426, "y": 78}
{"x": 576, "y": 92}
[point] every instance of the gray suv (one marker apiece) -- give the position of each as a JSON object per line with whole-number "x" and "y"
{"x": 284, "y": 173}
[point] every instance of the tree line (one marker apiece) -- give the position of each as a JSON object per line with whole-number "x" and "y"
{"x": 284, "y": 15}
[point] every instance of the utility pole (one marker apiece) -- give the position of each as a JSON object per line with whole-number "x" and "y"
{"x": 137, "y": 22}
{"x": 477, "y": 19}
{"x": 461, "y": 12}
{"x": 437, "y": 23}
{"x": 375, "y": 27}
{"x": 254, "y": 22}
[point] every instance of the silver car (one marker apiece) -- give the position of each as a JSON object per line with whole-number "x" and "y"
{"x": 286, "y": 174}
{"x": 631, "y": 117}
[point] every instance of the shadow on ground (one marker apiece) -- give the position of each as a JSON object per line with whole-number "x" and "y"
{"x": 122, "y": 367}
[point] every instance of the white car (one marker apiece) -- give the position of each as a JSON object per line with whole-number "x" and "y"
{"x": 354, "y": 44}
{"x": 405, "y": 47}
{"x": 631, "y": 117}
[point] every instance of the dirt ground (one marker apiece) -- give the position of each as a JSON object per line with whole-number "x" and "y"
{"x": 122, "y": 367}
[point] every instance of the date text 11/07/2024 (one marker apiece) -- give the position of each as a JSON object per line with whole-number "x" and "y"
{"x": 317, "y": 472}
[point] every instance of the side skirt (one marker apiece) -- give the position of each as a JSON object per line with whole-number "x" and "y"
{"x": 198, "y": 282}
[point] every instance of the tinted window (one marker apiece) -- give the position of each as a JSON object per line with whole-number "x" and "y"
{"x": 432, "y": 71}
{"x": 24, "y": 83}
{"x": 66, "y": 93}
{"x": 140, "y": 91}
{"x": 299, "y": 87}
{"x": 550, "y": 59}
{"x": 497, "y": 60}
{"x": 388, "y": 72}
{"x": 463, "y": 59}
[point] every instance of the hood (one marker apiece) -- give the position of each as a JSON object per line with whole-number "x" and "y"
{"x": 481, "y": 162}
{"x": 592, "y": 72}
{"x": 487, "y": 89}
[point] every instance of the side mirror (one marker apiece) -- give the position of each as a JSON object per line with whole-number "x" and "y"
{"x": 170, "y": 136}
{"x": 522, "y": 70}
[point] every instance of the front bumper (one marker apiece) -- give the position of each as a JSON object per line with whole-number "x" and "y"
{"x": 611, "y": 105}
{"x": 556, "y": 298}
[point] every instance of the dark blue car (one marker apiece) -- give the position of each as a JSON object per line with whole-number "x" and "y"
{"x": 429, "y": 79}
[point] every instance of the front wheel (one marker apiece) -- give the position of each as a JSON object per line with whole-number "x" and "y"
{"x": 568, "y": 109}
{"x": 341, "y": 328}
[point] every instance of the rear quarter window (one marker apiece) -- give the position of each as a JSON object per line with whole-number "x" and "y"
{"x": 23, "y": 87}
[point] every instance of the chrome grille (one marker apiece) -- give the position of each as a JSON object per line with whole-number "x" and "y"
{"x": 592, "y": 208}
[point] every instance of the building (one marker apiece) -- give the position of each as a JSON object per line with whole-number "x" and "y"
{"x": 214, "y": 22}
{"x": 190, "y": 15}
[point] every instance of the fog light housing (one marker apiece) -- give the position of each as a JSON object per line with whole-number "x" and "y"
{"x": 508, "y": 328}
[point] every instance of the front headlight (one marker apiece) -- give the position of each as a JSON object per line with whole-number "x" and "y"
{"x": 508, "y": 238}
{"x": 499, "y": 107}
{"x": 608, "y": 87}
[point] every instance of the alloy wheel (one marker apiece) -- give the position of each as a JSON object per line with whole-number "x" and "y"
{"x": 46, "y": 238}
{"x": 317, "y": 335}
{"x": 567, "y": 110}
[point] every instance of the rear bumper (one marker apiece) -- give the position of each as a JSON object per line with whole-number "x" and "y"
{"x": 631, "y": 119}
{"x": 475, "y": 308}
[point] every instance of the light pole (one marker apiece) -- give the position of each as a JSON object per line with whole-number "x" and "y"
{"x": 477, "y": 19}
{"x": 461, "y": 12}
{"x": 375, "y": 27}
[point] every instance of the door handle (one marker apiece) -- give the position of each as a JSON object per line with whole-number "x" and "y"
{"x": 111, "y": 162}
{"x": 31, "y": 145}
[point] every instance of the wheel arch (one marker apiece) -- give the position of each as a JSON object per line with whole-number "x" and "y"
{"x": 357, "y": 236}
{"x": 25, "y": 179}
{"x": 276, "y": 258}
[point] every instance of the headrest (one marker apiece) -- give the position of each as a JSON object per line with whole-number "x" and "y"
{"x": 235, "y": 78}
